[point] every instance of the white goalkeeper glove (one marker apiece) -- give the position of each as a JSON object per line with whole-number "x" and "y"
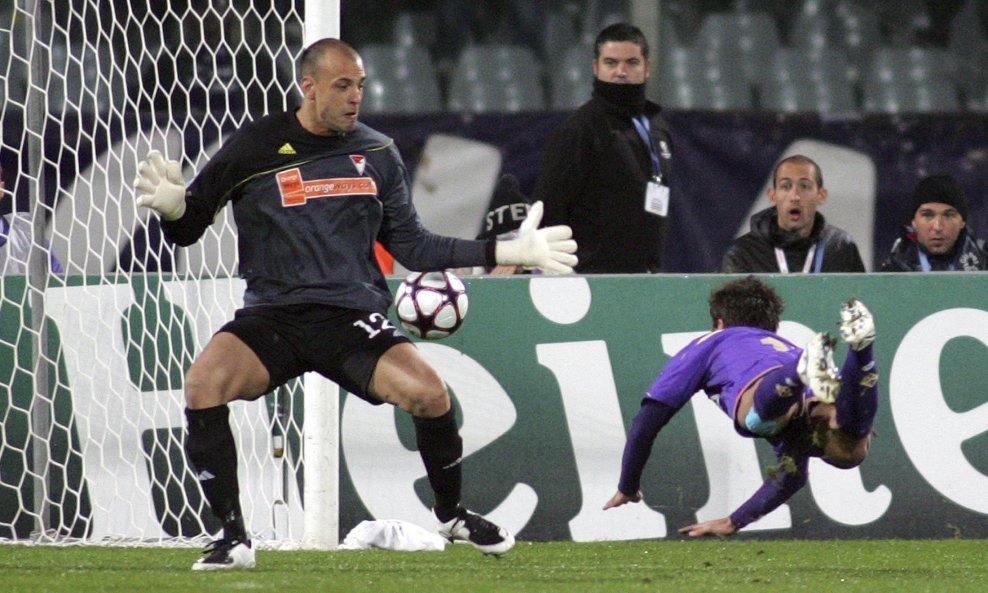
{"x": 160, "y": 186}
{"x": 550, "y": 249}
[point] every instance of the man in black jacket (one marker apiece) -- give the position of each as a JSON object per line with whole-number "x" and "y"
{"x": 791, "y": 236}
{"x": 606, "y": 168}
{"x": 938, "y": 239}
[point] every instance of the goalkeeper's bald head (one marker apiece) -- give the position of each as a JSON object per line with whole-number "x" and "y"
{"x": 313, "y": 55}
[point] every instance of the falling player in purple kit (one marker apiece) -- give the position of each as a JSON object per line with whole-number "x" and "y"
{"x": 796, "y": 399}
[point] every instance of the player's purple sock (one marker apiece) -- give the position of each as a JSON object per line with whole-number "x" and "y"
{"x": 857, "y": 402}
{"x": 778, "y": 391}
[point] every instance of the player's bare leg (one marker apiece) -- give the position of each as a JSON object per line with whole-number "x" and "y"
{"x": 226, "y": 370}
{"x": 770, "y": 401}
{"x": 403, "y": 377}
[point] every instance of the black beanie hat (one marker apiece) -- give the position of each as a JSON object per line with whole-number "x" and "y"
{"x": 943, "y": 189}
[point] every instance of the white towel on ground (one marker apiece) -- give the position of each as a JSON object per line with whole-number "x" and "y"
{"x": 392, "y": 534}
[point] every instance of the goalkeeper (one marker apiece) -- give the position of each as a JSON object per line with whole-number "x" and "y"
{"x": 796, "y": 399}
{"x": 312, "y": 190}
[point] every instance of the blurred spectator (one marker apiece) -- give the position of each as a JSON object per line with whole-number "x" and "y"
{"x": 508, "y": 209}
{"x": 791, "y": 236}
{"x": 15, "y": 241}
{"x": 938, "y": 239}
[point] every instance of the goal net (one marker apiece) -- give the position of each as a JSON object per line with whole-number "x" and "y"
{"x": 99, "y": 317}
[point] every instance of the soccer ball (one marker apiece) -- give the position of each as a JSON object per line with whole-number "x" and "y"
{"x": 431, "y": 305}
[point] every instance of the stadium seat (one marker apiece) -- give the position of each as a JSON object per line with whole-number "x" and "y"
{"x": 496, "y": 78}
{"x": 598, "y": 14}
{"x": 808, "y": 80}
{"x": 558, "y": 37}
{"x": 856, "y": 29}
{"x": 856, "y": 26}
{"x": 968, "y": 44}
{"x": 910, "y": 80}
{"x": 742, "y": 42}
{"x": 572, "y": 80}
{"x": 414, "y": 29}
{"x": 697, "y": 78}
{"x": 910, "y": 18}
{"x": 400, "y": 79}
{"x": 680, "y": 87}
{"x": 978, "y": 99}
{"x": 810, "y": 27}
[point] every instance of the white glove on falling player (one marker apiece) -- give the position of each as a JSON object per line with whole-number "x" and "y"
{"x": 550, "y": 249}
{"x": 160, "y": 186}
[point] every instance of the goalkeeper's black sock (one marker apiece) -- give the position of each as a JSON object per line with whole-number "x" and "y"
{"x": 441, "y": 449}
{"x": 213, "y": 454}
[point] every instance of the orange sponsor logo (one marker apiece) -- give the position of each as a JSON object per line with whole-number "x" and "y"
{"x": 296, "y": 191}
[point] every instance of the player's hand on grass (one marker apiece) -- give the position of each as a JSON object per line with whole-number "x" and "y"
{"x": 621, "y": 498}
{"x": 160, "y": 186}
{"x": 722, "y": 527}
{"x": 549, "y": 249}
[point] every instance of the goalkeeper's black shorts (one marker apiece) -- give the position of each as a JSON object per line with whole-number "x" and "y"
{"x": 340, "y": 344}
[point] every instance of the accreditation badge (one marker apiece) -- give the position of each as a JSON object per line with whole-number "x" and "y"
{"x": 657, "y": 198}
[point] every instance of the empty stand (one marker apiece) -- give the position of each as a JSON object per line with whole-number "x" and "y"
{"x": 400, "y": 79}
{"x": 505, "y": 78}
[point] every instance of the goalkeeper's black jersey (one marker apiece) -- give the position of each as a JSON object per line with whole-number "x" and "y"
{"x": 308, "y": 210}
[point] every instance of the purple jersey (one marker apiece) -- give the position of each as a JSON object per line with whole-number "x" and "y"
{"x": 721, "y": 363}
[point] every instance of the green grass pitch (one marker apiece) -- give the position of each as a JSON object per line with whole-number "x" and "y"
{"x": 738, "y": 565}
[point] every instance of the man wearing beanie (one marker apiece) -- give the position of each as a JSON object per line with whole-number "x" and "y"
{"x": 606, "y": 169}
{"x": 938, "y": 239}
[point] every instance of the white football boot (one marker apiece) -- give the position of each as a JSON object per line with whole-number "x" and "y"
{"x": 817, "y": 370}
{"x": 223, "y": 554}
{"x": 857, "y": 325}
{"x": 484, "y": 535}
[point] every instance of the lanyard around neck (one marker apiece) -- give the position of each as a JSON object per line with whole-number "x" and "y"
{"x": 814, "y": 259}
{"x": 924, "y": 263}
{"x": 641, "y": 125}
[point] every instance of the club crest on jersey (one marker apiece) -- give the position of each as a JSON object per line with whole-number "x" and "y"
{"x": 359, "y": 161}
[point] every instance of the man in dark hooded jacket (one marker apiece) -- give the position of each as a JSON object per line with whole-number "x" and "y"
{"x": 791, "y": 236}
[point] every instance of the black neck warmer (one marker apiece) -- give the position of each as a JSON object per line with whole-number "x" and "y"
{"x": 628, "y": 96}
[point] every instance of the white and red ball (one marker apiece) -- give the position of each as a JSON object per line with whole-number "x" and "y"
{"x": 431, "y": 305}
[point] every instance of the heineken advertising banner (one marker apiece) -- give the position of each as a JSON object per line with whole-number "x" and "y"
{"x": 547, "y": 374}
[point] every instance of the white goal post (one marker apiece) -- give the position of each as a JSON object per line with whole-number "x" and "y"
{"x": 92, "y": 358}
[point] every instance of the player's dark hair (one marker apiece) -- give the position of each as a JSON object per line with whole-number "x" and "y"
{"x": 621, "y": 32}
{"x": 312, "y": 55}
{"x": 747, "y": 302}
{"x": 803, "y": 160}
